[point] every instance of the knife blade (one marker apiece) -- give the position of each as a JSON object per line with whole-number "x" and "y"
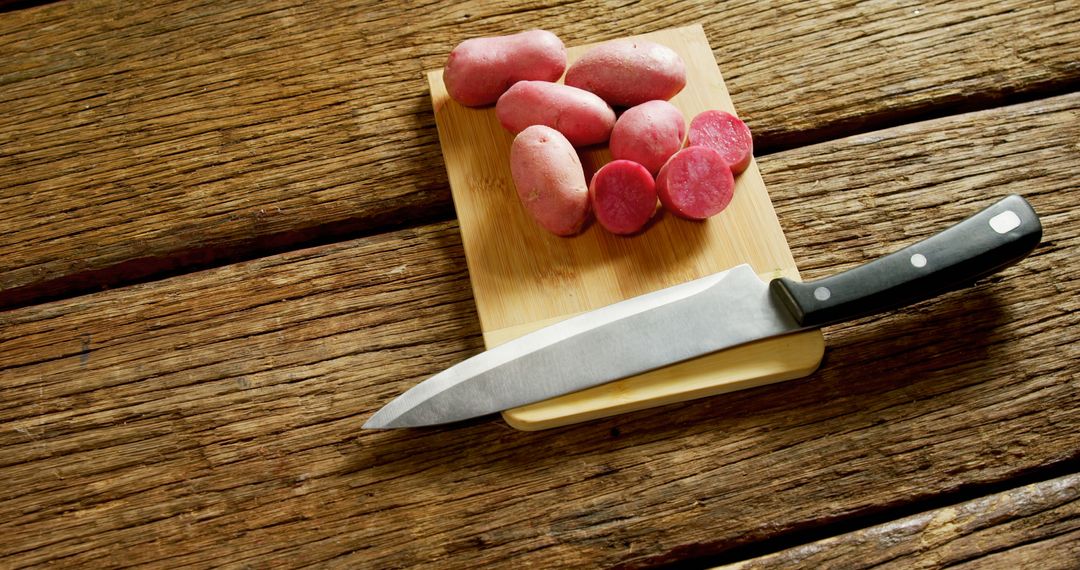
{"x": 708, "y": 314}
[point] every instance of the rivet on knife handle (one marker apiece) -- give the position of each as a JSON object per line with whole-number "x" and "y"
{"x": 989, "y": 241}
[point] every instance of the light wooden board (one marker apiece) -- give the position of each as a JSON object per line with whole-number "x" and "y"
{"x": 524, "y": 278}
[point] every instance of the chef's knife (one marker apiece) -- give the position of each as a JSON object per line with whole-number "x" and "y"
{"x": 712, "y": 313}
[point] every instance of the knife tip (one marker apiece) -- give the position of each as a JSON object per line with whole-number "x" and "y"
{"x": 375, "y": 422}
{"x": 385, "y": 419}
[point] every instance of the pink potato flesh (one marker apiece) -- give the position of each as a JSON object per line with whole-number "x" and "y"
{"x": 648, "y": 134}
{"x": 726, "y": 134}
{"x": 549, "y": 179}
{"x": 583, "y": 118}
{"x": 629, "y": 72}
{"x": 623, "y": 196}
{"x": 695, "y": 183}
{"x": 479, "y": 70}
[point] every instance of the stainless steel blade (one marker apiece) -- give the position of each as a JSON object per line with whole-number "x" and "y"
{"x": 630, "y": 337}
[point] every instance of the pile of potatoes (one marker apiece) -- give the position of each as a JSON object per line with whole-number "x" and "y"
{"x": 519, "y": 74}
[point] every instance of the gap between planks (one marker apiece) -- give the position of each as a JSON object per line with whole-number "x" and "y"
{"x": 888, "y": 513}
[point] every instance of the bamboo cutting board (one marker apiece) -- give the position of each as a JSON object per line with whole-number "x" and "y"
{"x": 524, "y": 278}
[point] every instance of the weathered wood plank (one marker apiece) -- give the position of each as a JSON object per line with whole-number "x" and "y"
{"x": 1034, "y": 526}
{"x": 139, "y": 138}
{"x": 213, "y": 418}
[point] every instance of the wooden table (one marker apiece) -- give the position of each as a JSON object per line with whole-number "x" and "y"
{"x": 228, "y": 238}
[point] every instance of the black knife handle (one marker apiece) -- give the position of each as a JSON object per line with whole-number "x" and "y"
{"x": 989, "y": 241}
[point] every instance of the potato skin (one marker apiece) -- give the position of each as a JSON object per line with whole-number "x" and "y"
{"x": 629, "y": 72}
{"x": 648, "y": 134}
{"x": 583, "y": 118}
{"x": 549, "y": 179}
{"x": 479, "y": 70}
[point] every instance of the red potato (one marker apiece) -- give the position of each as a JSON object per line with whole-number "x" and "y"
{"x": 695, "y": 183}
{"x": 582, "y": 117}
{"x": 549, "y": 179}
{"x": 726, "y": 134}
{"x": 623, "y": 196}
{"x": 629, "y": 72}
{"x": 648, "y": 134}
{"x": 479, "y": 70}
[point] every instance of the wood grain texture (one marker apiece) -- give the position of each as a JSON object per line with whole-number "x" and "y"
{"x": 213, "y": 419}
{"x": 142, "y": 138}
{"x": 1034, "y": 526}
